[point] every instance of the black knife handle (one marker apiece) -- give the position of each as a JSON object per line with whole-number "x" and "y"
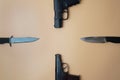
{"x": 4, "y": 40}
{"x": 113, "y": 39}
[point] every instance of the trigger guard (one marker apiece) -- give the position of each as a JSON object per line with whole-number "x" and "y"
{"x": 66, "y": 67}
{"x": 67, "y": 12}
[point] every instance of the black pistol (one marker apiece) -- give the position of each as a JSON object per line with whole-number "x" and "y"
{"x": 62, "y": 70}
{"x": 61, "y": 7}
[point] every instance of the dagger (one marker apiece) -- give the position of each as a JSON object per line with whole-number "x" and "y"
{"x": 13, "y": 40}
{"x": 102, "y": 39}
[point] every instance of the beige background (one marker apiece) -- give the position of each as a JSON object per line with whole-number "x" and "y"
{"x": 35, "y": 61}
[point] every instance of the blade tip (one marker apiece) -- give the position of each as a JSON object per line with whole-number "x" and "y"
{"x": 37, "y": 39}
{"x": 82, "y": 38}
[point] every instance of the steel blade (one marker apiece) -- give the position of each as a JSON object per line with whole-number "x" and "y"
{"x": 23, "y": 39}
{"x": 94, "y": 39}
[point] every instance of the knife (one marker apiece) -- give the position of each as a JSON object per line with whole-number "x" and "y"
{"x": 12, "y": 40}
{"x": 102, "y": 39}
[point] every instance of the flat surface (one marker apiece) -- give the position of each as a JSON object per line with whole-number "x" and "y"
{"x": 36, "y": 61}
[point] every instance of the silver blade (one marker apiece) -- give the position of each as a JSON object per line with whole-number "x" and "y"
{"x": 23, "y": 39}
{"x": 94, "y": 39}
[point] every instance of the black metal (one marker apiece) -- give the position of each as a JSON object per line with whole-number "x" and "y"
{"x": 60, "y": 71}
{"x": 113, "y": 39}
{"x": 4, "y": 40}
{"x": 60, "y": 6}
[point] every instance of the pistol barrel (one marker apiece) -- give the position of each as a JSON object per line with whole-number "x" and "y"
{"x": 58, "y": 66}
{"x": 58, "y": 11}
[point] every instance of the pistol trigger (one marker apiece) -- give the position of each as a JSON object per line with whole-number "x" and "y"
{"x": 66, "y": 14}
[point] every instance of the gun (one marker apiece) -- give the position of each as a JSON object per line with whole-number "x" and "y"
{"x": 62, "y": 70}
{"x": 60, "y": 8}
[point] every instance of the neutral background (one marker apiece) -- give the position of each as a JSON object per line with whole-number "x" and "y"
{"x": 36, "y": 61}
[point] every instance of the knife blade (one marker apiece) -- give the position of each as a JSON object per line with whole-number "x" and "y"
{"x": 102, "y": 39}
{"x": 13, "y": 40}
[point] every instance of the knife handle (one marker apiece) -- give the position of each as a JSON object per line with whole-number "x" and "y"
{"x": 4, "y": 40}
{"x": 113, "y": 39}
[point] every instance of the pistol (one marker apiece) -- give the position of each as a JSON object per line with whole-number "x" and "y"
{"x": 62, "y": 70}
{"x": 60, "y": 8}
